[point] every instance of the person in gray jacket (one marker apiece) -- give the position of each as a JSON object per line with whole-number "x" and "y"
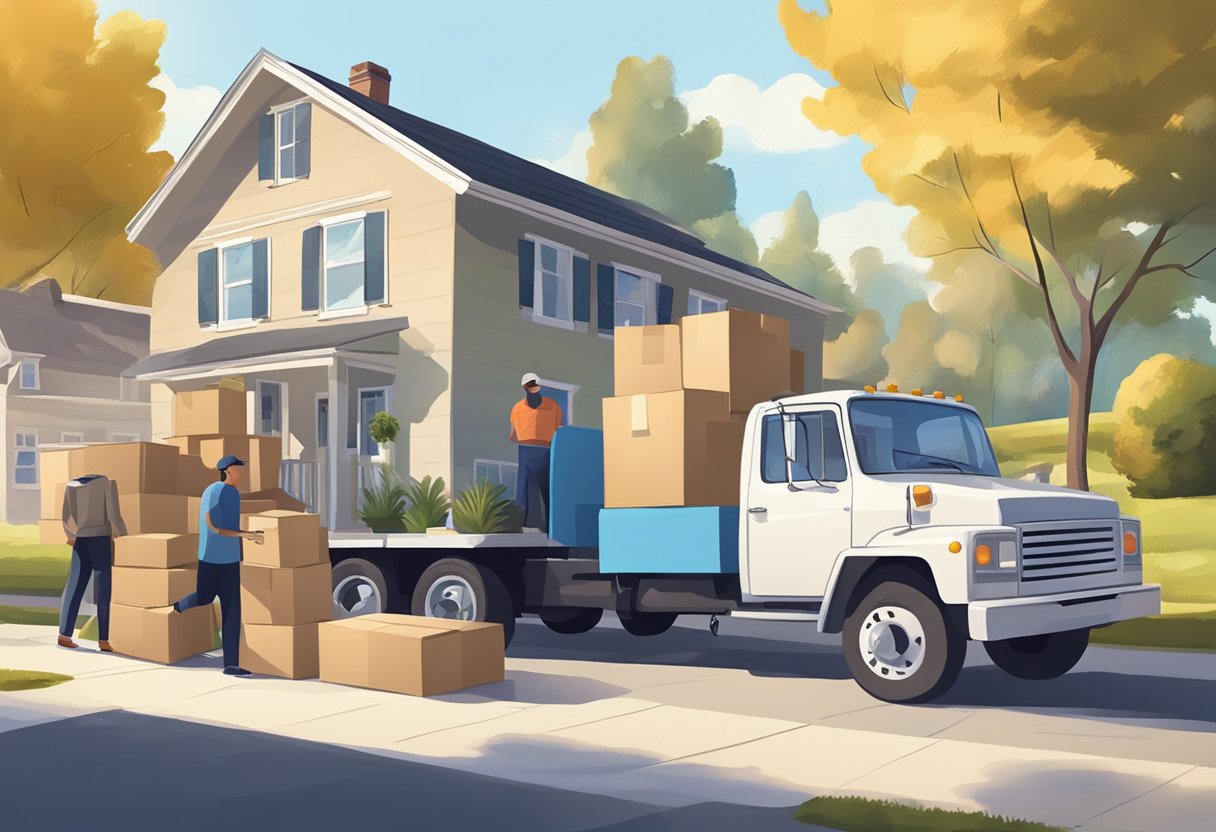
{"x": 91, "y": 519}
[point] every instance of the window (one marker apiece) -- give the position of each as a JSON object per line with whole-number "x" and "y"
{"x": 124, "y": 437}
{"x": 269, "y": 411}
{"x": 553, "y": 288}
{"x": 25, "y": 467}
{"x": 818, "y": 453}
{"x": 371, "y": 402}
{"x": 71, "y": 437}
{"x": 893, "y": 436}
{"x": 323, "y": 423}
{"x": 344, "y": 262}
{"x": 290, "y": 130}
{"x": 236, "y": 272}
{"x": 496, "y": 472}
{"x": 635, "y": 298}
{"x": 700, "y": 303}
{"x": 29, "y": 374}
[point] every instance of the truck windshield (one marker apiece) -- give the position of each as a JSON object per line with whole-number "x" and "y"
{"x": 894, "y": 436}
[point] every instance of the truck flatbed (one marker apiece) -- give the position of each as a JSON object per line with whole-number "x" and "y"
{"x": 405, "y": 540}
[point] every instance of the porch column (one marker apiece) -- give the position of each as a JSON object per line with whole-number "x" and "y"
{"x": 337, "y": 467}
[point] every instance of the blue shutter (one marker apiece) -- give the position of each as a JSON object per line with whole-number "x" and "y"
{"x": 208, "y": 286}
{"x": 527, "y": 272}
{"x": 261, "y": 279}
{"x": 310, "y": 269}
{"x": 582, "y": 289}
{"x": 605, "y": 287}
{"x": 665, "y": 296}
{"x": 373, "y": 257}
{"x": 303, "y": 140}
{"x": 266, "y": 147}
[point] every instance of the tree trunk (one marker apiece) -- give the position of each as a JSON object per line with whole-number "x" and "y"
{"x": 1080, "y": 401}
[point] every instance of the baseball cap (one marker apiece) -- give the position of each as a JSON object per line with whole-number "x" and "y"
{"x": 228, "y": 462}
{"x": 529, "y": 378}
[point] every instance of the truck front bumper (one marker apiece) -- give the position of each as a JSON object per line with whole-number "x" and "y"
{"x": 1036, "y": 615}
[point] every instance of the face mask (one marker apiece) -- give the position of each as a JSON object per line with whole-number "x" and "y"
{"x": 533, "y": 399}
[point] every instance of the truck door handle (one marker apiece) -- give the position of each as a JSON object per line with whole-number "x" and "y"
{"x": 757, "y": 510}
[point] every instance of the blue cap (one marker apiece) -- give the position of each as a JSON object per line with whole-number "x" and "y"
{"x": 228, "y": 461}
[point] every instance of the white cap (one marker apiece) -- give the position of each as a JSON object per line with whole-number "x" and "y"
{"x": 529, "y": 378}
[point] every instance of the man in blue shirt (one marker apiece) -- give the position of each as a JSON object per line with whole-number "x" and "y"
{"x": 219, "y": 557}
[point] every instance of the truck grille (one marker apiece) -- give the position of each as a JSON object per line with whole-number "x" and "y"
{"x": 1074, "y": 551}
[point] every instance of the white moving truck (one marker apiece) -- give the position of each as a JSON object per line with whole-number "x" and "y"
{"x": 882, "y": 516}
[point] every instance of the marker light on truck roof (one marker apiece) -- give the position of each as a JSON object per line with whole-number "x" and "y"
{"x": 870, "y": 388}
{"x": 892, "y": 388}
{"x": 916, "y": 391}
{"x": 958, "y": 397}
{"x": 938, "y": 394}
{"x": 922, "y": 495}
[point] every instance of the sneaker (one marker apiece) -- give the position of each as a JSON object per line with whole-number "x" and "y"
{"x": 233, "y": 670}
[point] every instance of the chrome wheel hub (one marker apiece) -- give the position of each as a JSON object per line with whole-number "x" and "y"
{"x": 892, "y": 642}
{"x": 355, "y": 596}
{"x": 451, "y": 597}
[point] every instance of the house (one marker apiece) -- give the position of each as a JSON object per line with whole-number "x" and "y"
{"x": 61, "y": 364}
{"x": 341, "y": 257}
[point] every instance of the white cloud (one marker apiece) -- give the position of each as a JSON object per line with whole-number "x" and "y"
{"x": 767, "y": 228}
{"x": 871, "y": 222}
{"x": 770, "y": 120}
{"x": 186, "y": 108}
{"x": 573, "y": 162}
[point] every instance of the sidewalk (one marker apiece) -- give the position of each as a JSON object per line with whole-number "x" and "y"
{"x": 550, "y": 724}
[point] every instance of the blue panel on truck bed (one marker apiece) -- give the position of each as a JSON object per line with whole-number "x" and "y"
{"x": 576, "y": 486}
{"x": 696, "y": 539}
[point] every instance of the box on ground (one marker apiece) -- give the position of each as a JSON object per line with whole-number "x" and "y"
{"x": 137, "y": 467}
{"x": 265, "y": 456}
{"x": 156, "y": 513}
{"x": 280, "y": 650}
{"x": 420, "y": 661}
{"x": 282, "y": 500}
{"x": 55, "y": 468}
{"x": 291, "y": 539}
{"x": 742, "y": 353}
{"x": 482, "y": 648}
{"x": 51, "y": 533}
{"x": 156, "y": 551}
{"x": 797, "y": 371}
{"x": 193, "y": 475}
{"x": 158, "y": 633}
{"x": 671, "y": 449}
{"x": 269, "y": 595}
{"x": 212, "y": 411}
{"x": 646, "y": 359}
{"x": 693, "y": 540}
{"x": 139, "y": 587}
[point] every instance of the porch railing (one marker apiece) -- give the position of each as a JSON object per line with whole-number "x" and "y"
{"x": 299, "y": 478}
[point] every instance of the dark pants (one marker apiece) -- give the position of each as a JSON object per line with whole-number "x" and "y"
{"x": 533, "y": 468}
{"x": 223, "y": 581}
{"x": 90, "y": 556}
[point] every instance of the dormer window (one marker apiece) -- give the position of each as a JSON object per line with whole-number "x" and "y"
{"x": 29, "y": 374}
{"x": 285, "y": 143}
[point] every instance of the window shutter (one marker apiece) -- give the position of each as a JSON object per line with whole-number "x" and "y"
{"x": 373, "y": 257}
{"x": 261, "y": 279}
{"x": 266, "y": 147}
{"x": 582, "y": 289}
{"x": 605, "y": 286}
{"x": 208, "y": 286}
{"x": 303, "y": 113}
{"x": 666, "y": 295}
{"x": 527, "y": 272}
{"x": 310, "y": 269}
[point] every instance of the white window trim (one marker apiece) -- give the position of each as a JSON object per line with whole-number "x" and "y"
{"x": 257, "y": 412}
{"x": 222, "y": 324}
{"x": 66, "y": 437}
{"x": 388, "y": 401}
{"x": 125, "y": 436}
{"x": 535, "y": 314}
{"x": 37, "y": 363}
{"x": 324, "y": 314}
{"x": 654, "y": 278}
{"x": 496, "y": 463}
{"x": 571, "y": 389}
{"x": 274, "y": 112}
{"x": 36, "y": 484}
{"x": 706, "y": 296}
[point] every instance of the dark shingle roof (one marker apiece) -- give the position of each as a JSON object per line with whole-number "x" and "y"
{"x": 499, "y": 169}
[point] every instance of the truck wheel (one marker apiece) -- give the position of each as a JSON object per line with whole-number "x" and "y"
{"x": 646, "y": 623}
{"x": 460, "y": 590}
{"x": 571, "y": 620}
{"x": 899, "y": 645}
{"x": 359, "y": 588}
{"x": 1039, "y": 657}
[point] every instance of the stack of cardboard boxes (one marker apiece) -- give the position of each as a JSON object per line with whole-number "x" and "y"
{"x": 673, "y": 432}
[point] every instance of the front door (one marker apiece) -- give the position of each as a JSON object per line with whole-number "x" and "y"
{"x": 796, "y": 529}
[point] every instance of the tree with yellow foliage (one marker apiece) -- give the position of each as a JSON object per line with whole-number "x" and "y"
{"x": 77, "y": 119}
{"x": 1068, "y": 142}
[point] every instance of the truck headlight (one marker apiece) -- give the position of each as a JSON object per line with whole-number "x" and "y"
{"x": 1133, "y": 549}
{"x": 994, "y": 557}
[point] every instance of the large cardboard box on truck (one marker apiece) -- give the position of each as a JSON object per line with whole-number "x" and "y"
{"x": 482, "y": 647}
{"x": 285, "y": 596}
{"x": 193, "y": 475}
{"x": 646, "y": 359}
{"x": 141, "y": 587}
{"x": 137, "y": 467}
{"x": 265, "y": 456}
{"x": 742, "y": 353}
{"x": 671, "y": 449}
{"x": 156, "y": 551}
{"x": 213, "y": 411}
{"x": 420, "y": 661}
{"x": 55, "y": 468}
{"x": 291, "y": 539}
{"x": 158, "y": 633}
{"x": 289, "y": 651}
{"x": 156, "y": 513}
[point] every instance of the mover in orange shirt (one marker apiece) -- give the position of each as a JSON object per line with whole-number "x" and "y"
{"x": 534, "y": 420}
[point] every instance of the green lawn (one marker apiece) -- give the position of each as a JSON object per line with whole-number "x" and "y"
{"x": 28, "y": 567}
{"x": 861, "y": 814}
{"x": 13, "y": 680}
{"x": 33, "y": 615}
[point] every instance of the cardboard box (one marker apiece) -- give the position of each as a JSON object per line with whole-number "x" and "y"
{"x": 419, "y": 661}
{"x": 194, "y": 505}
{"x": 274, "y": 650}
{"x": 671, "y": 449}
{"x": 137, "y": 467}
{"x": 742, "y": 353}
{"x": 213, "y": 411}
{"x": 55, "y": 468}
{"x": 152, "y": 587}
{"x": 156, "y": 513}
{"x": 156, "y": 551}
{"x": 646, "y": 359}
{"x": 797, "y": 371}
{"x": 193, "y": 475}
{"x": 265, "y": 454}
{"x": 482, "y": 648}
{"x": 213, "y": 448}
{"x": 158, "y": 633}
{"x": 51, "y": 533}
{"x": 285, "y": 596}
{"x": 50, "y": 498}
{"x": 291, "y": 539}
{"x": 282, "y": 500}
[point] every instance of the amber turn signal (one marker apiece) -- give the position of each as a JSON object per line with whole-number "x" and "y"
{"x": 955, "y": 547}
{"x": 922, "y": 495}
{"x": 983, "y": 555}
{"x": 1130, "y": 543}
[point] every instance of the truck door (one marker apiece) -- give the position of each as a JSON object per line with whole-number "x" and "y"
{"x": 797, "y": 517}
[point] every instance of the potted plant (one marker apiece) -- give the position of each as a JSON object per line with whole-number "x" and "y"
{"x": 383, "y": 507}
{"x": 428, "y": 505}
{"x": 484, "y": 508}
{"x": 384, "y": 428}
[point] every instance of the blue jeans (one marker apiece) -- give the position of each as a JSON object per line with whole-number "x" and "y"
{"x": 90, "y": 556}
{"x": 533, "y": 468}
{"x": 223, "y": 581}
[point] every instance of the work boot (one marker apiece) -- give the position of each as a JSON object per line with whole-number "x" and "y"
{"x": 104, "y": 646}
{"x": 64, "y": 641}
{"x": 233, "y": 670}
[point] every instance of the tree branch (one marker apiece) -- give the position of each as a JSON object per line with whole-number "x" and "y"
{"x": 21, "y": 193}
{"x": 890, "y": 100}
{"x": 1108, "y": 317}
{"x": 33, "y": 270}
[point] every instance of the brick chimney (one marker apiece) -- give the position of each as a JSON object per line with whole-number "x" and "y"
{"x": 372, "y": 80}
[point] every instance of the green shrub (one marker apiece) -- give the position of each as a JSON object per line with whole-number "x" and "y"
{"x": 384, "y": 428}
{"x": 384, "y": 503}
{"x": 482, "y": 509}
{"x": 863, "y": 814}
{"x": 1165, "y": 428}
{"x": 428, "y": 505}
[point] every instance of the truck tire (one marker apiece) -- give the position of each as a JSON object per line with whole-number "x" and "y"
{"x": 571, "y": 620}
{"x": 458, "y": 589}
{"x": 646, "y": 623}
{"x": 900, "y": 646}
{"x": 359, "y": 588}
{"x": 1039, "y": 657}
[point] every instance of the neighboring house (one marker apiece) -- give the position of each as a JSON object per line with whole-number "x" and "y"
{"x": 344, "y": 257}
{"x": 61, "y": 363}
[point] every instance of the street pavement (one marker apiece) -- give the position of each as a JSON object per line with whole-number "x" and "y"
{"x": 763, "y": 715}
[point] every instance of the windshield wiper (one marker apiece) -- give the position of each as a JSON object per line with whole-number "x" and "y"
{"x": 957, "y": 466}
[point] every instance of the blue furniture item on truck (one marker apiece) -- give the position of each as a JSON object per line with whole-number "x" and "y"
{"x": 576, "y": 486}
{"x": 691, "y": 540}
